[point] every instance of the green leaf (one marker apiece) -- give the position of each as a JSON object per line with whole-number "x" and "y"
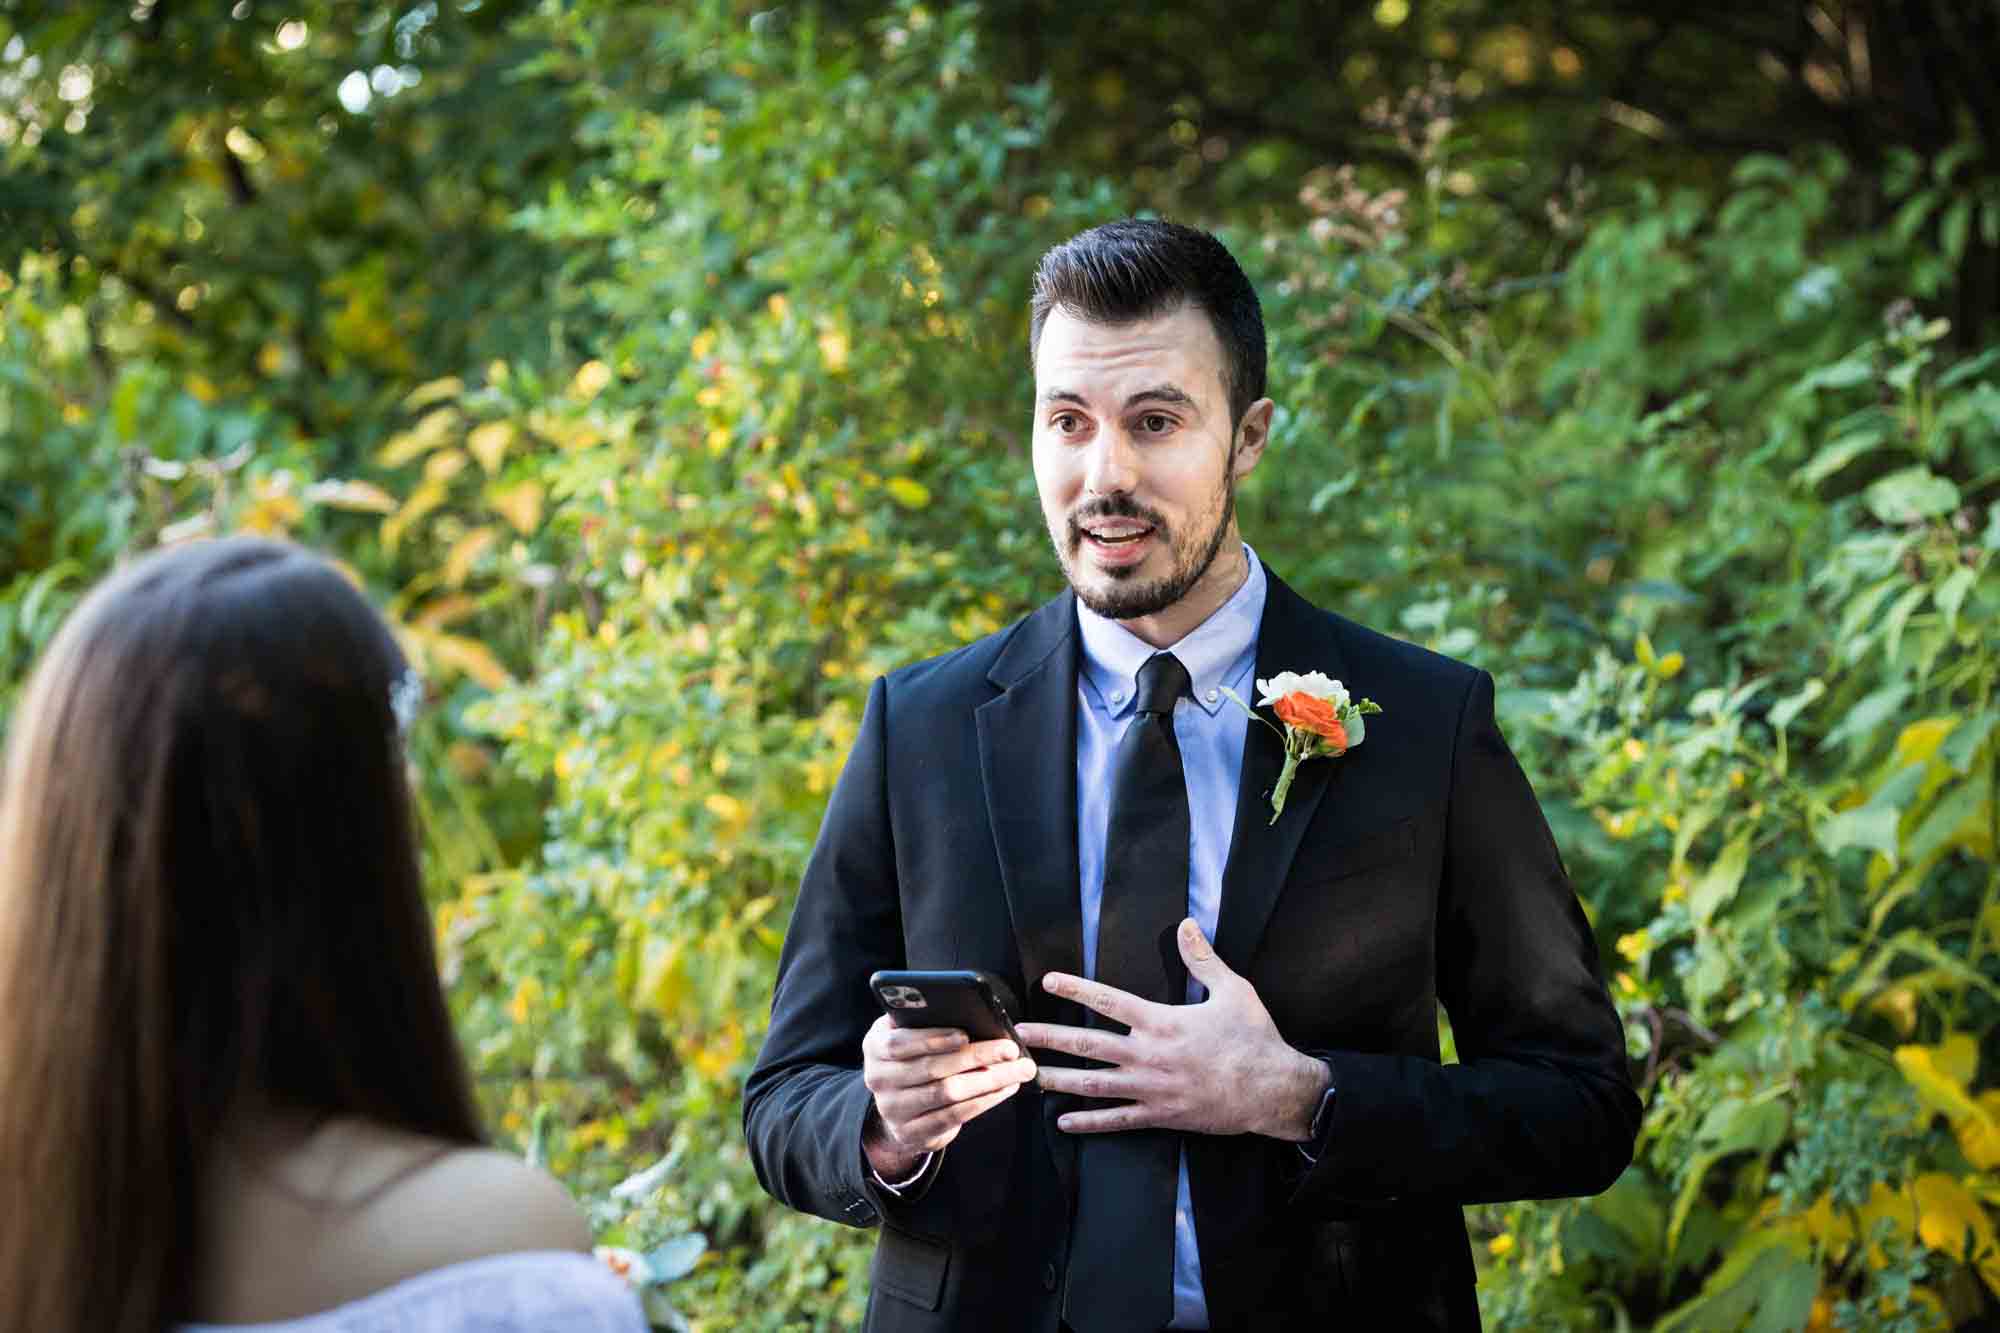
{"x": 1959, "y": 805}
{"x": 1738, "y": 1124}
{"x": 1862, "y": 609}
{"x": 1843, "y": 374}
{"x": 1764, "y": 1276}
{"x": 1956, "y": 229}
{"x": 1719, "y": 884}
{"x": 1866, "y": 717}
{"x": 1911, "y": 495}
{"x": 1872, "y": 827}
{"x": 1838, "y": 455}
{"x": 1899, "y": 617}
{"x": 1633, "y": 1211}
{"x": 1951, "y": 597}
{"x": 1786, "y": 711}
{"x": 1963, "y": 745}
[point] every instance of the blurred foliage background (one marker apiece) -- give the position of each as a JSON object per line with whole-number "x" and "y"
{"x": 661, "y": 370}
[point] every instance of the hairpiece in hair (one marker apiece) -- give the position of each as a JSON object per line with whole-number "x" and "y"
{"x": 406, "y": 696}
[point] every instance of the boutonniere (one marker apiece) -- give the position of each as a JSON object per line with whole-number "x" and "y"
{"x": 1321, "y": 721}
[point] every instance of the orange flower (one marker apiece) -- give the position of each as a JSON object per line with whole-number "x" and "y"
{"x": 1313, "y": 714}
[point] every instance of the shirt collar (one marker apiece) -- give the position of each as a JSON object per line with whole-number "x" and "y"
{"x": 1215, "y": 653}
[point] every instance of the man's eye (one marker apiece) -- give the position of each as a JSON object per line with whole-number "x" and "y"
{"x": 1065, "y": 423}
{"x": 1156, "y": 423}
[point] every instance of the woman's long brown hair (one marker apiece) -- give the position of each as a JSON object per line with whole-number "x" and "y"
{"x": 209, "y": 898}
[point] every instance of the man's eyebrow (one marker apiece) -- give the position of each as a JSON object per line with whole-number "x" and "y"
{"x": 1159, "y": 393}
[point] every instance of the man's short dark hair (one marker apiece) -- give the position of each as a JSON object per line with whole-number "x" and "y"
{"x": 1137, "y": 268}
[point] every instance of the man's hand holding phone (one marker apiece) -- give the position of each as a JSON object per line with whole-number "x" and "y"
{"x": 928, "y": 1083}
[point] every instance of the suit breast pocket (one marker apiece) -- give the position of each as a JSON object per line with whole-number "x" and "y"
{"x": 1329, "y": 861}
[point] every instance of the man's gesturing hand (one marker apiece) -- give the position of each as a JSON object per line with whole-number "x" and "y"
{"x": 1218, "y": 1067}
{"x": 928, "y": 1082}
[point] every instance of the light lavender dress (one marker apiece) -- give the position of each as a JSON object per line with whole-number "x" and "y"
{"x": 556, "y": 1291}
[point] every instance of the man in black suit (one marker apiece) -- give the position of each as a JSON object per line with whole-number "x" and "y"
{"x": 1253, "y": 1133}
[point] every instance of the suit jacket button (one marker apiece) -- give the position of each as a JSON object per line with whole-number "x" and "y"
{"x": 1048, "y": 1277}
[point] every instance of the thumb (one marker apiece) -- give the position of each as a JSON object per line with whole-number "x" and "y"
{"x": 1199, "y": 955}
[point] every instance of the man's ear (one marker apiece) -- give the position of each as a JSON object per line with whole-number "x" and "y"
{"x": 1252, "y": 434}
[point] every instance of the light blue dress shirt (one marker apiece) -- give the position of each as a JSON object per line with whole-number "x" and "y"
{"x": 1221, "y": 652}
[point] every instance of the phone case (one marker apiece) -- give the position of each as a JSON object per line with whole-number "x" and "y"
{"x": 977, "y": 1003}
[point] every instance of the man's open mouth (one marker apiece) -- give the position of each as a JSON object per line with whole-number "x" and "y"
{"x": 1117, "y": 534}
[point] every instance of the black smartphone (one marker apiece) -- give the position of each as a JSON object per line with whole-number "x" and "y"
{"x": 977, "y": 1003}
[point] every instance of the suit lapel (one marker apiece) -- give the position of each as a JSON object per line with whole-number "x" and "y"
{"x": 1027, "y": 754}
{"x": 1293, "y": 637}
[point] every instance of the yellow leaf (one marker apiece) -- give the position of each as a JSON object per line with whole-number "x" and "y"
{"x": 420, "y": 502}
{"x": 723, "y": 806}
{"x": 443, "y": 467}
{"x": 589, "y": 381}
{"x": 909, "y": 494}
{"x": 1670, "y": 665}
{"x": 358, "y": 496}
{"x": 451, "y": 386}
{"x": 1898, "y": 1004}
{"x": 1916, "y": 743}
{"x": 489, "y": 443}
{"x": 519, "y": 504}
{"x": 405, "y": 446}
{"x": 468, "y": 656}
{"x": 1958, "y": 1056}
{"x": 1933, "y": 1071}
{"x": 1979, "y": 1135}
{"x": 202, "y": 388}
{"x": 274, "y": 514}
{"x": 663, "y": 981}
{"x": 445, "y": 611}
{"x": 465, "y": 553}
{"x": 833, "y": 349}
{"x": 527, "y": 996}
{"x": 1951, "y": 1220}
{"x": 1642, "y": 651}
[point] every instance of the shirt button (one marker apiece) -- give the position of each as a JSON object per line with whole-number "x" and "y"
{"x": 1118, "y": 696}
{"x": 1213, "y": 695}
{"x": 1048, "y": 1277}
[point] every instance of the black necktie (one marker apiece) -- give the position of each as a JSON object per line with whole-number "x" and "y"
{"x": 1122, "y": 1245}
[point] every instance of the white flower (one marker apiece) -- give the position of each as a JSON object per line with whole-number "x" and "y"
{"x": 1315, "y": 683}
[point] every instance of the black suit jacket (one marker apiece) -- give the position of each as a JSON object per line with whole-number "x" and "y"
{"x": 1414, "y": 869}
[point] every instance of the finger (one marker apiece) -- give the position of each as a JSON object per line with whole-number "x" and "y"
{"x": 937, "y": 1129}
{"x": 915, "y": 1043}
{"x": 1117, "y": 1005}
{"x": 1108, "y": 1084}
{"x": 1090, "y": 1043}
{"x": 1199, "y": 955}
{"x": 900, "y": 1105}
{"x": 881, "y": 1075}
{"x": 1109, "y": 1120}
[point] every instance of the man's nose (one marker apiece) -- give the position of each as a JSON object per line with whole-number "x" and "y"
{"x": 1114, "y": 464}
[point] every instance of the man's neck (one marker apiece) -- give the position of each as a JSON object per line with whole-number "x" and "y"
{"x": 1218, "y": 583}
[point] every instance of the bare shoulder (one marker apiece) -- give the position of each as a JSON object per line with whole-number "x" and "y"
{"x": 473, "y": 1202}
{"x": 498, "y": 1202}
{"x": 357, "y": 1207}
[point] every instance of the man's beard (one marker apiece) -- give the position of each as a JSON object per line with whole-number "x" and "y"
{"x": 1191, "y": 555}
